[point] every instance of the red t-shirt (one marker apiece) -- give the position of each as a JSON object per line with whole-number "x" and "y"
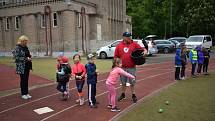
{"x": 123, "y": 51}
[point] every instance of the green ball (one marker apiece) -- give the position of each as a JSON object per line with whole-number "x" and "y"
{"x": 160, "y": 110}
{"x": 167, "y": 102}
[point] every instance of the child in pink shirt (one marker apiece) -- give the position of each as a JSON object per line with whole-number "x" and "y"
{"x": 79, "y": 72}
{"x": 112, "y": 81}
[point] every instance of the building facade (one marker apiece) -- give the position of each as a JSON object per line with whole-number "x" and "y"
{"x": 62, "y": 25}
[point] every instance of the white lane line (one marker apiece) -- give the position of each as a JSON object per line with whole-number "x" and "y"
{"x": 21, "y": 105}
{"x": 98, "y": 96}
{"x": 122, "y": 113}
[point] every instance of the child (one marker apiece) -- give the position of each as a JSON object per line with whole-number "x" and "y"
{"x": 206, "y": 61}
{"x": 177, "y": 63}
{"x": 112, "y": 81}
{"x": 183, "y": 61}
{"x": 58, "y": 65}
{"x": 193, "y": 60}
{"x": 200, "y": 60}
{"x": 91, "y": 80}
{"x": 63, "y": 77}
{"x": 79, "y": 71}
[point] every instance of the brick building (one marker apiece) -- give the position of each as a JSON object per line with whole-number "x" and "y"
{"x": 62, "y": 25}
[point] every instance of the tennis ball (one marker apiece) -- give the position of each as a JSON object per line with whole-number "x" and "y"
{"x": 167, "y": 102}
{"x": 160, "y": 110}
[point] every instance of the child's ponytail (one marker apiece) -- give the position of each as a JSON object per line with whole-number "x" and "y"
{"x": 116, "y": 62}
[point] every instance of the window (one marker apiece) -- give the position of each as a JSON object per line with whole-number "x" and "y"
{"x": 18, "y": 1}
{"x": 115, "y": 44}
{"x": 2, "y": 2}
{"x": 208, "y": 39}
{"x": 17, "y": 22}
{"x": 43, "y": 22}
{"x": 78, "y": 23}
{"x": 55, "y": 19}
{"x": 7, "y": 24}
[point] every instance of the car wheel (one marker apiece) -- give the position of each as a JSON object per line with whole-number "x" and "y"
{"x": 103, "y": 55}
{"x": 166, "y": 50}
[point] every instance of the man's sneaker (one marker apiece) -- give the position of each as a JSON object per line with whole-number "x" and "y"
{"x": 25, "y": 97}
{"x": 122, "y": 97}
{"x": 109, "y": 106}
{"x": 29, "y": 96}
{"x": 115, "y": 109}
{"x": 134, "y": 98}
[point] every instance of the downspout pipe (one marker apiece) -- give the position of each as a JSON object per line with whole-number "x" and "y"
{"x": 47, "y": 11}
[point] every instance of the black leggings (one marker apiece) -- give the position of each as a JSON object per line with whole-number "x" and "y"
{"x": 183, "y": 70}
{"x": 24, "y": 82}
{"x": 177, "y": 73}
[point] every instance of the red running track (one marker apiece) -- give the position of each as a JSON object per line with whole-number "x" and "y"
{"x": 149, "y": 79}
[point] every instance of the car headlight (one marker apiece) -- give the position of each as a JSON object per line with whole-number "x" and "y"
{"x": 98, "y": 49}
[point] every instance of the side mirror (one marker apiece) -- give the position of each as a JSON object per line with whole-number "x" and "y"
{"x": 204, "y": 41}
{"x": 109, "y": 46}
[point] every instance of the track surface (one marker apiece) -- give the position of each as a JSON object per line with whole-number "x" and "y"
{"x": 150, "y": 78}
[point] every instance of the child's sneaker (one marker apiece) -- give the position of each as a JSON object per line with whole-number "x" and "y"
{"x": 115, "y": 109}
{"x": 109, "y": 106}
{"x": 65, "y": 96}
{"x": 82, "y": 101}
{"x": 25, "y": 97}
{"x": 78, "y": 100}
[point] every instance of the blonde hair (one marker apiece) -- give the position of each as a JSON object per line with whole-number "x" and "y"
{"x": 22, "y": 38}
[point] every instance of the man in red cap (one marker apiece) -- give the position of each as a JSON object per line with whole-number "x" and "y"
{"x": 123, "y": 51}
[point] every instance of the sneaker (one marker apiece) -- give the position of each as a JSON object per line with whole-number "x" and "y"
{"x": 134, "y": 98}
{"x": 122, "y": 97}
{"x": 93, "y": 106}
{"x": 128, "y": 84}
{"x": 82, "y": 101}
{"x": 182, "y": 78}
{"x": 65, "y": 96}
{"x": 109, "y": 106}
{"x": 29, "y": 96}
{"x": 25, "y": 97}
{"x": 115, "y": 109}
{"x": 78, "y": 100}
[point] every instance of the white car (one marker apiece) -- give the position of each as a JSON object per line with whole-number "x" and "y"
{"x": 199, "y": 40}
{"x": 108, "y": 51}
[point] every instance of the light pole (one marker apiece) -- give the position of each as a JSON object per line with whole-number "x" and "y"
{"x": 171, "y": 18}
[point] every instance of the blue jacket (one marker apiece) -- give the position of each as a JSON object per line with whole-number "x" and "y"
{"x": 91, "y": 73}
{"x": 200, "y": 55}
{"x": 178, "y": 57}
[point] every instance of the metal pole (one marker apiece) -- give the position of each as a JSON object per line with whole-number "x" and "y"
{"x": 171, "y": 18}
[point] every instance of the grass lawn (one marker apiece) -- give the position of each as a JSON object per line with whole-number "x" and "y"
{"x": 45, "y": 67}
{"x": 190, "y": 100}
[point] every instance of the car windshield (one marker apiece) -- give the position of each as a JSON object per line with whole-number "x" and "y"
{"x": 194, "y": 39}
